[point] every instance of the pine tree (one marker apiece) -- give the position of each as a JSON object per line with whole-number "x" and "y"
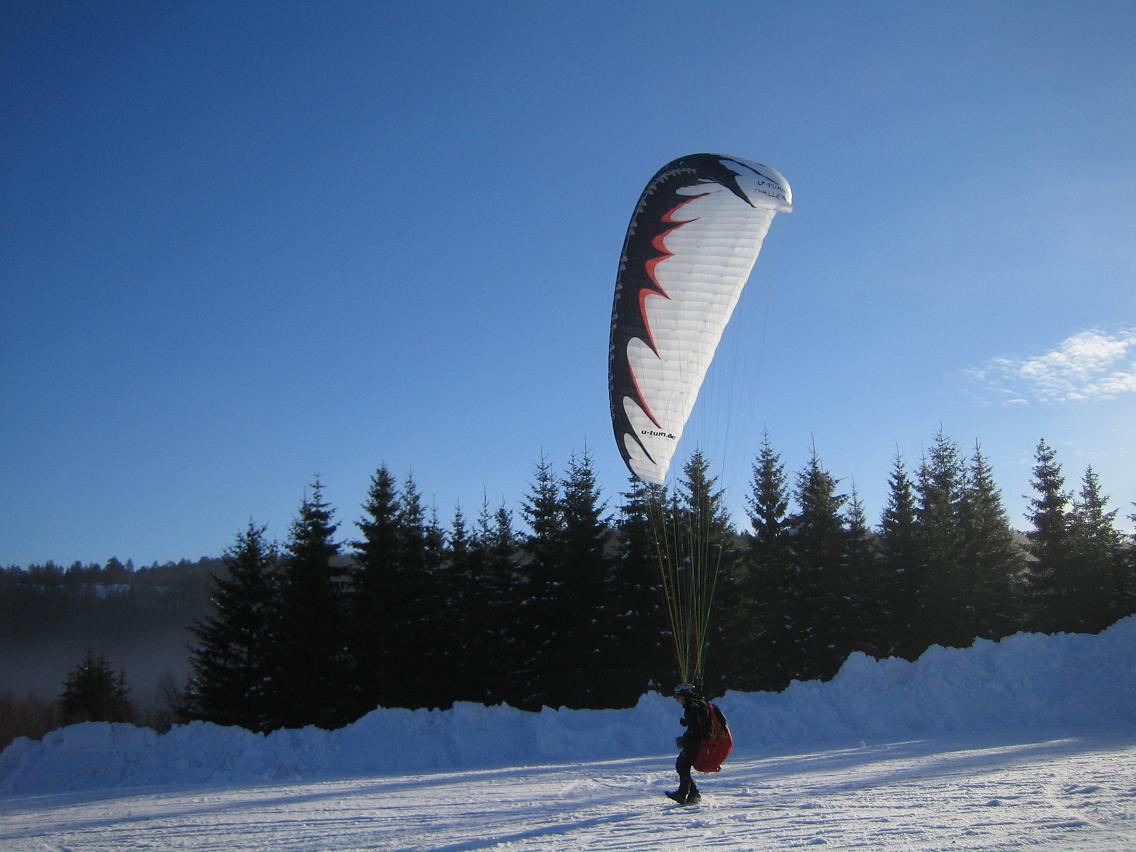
{"x": 819, "y": 546}
{"x": 702, "y": 505}
{"x": 402, "y": 646}
{"x": 900, "y": 564}
{"x": 464, "y": 602}
{"x": 640, "y": 637}
{"x": 484, "y": 674}
{"x": 768, "y": 506}
{"x": 939, "y": 494}
{"x": 765, "y": 649}
{"x": 1051, "y": 584}
{"x": 542, "y": 511}
{"x": 704, "y": 556}
{"x": 459, "y": 541}
{"x": 421, "y": 639}
{"x": 1126, "y": 600}
{"x": 375, "y": 602}
{"x": 865, "y": 593}
{"x": 477, "y": 580}
{"x": 992, "y": 563}
{"x": 412, "y": 530}
{"x": 503, "y": 594}
{"x": 435, "y": 540}
{"x": 92, "y": 692}
{"x": 541, "y": 634}
{"x": 442, "y": 623}
{"x": 1096, "y": 558}
{"x": 308, "y": 682}
{"x": 231, "y": 660}
{"x": 585, "y": 611}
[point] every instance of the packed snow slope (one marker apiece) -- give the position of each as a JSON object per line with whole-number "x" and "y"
{"x": 1028, "y": 682}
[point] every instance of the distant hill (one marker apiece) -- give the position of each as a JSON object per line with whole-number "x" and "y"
{"x": 138, "y": 619}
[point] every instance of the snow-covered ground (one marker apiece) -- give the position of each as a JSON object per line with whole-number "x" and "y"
{"x": 1030, "y": 741}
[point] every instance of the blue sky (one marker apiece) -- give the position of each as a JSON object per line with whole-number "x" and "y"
{"x": 242, "y": 245}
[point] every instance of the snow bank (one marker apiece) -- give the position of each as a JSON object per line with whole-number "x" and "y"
{"x": 1027, "y": 681}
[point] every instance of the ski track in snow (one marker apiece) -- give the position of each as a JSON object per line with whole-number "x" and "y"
{"x": 978, "y": 792}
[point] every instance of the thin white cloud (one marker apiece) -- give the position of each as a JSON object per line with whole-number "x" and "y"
{"x": 1091, "y": 365}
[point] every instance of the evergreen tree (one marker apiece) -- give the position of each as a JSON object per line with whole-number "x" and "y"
{"x": 442, "y": 623}
{"x": 486, "y": 671}
{"x": 541, "y": 636}
{"x": 702, "y": 506}
{"x": 375, "y": 600}
{"x": 414, "y": 556}
{"x": 1096, "y": 559}
{"x": 422, "y": 635}
{"x": 1051, "y": 584}
{"x": 503, "y": 591}
{"x": 1126, "y": 597}
{"x": 583, "y": 604}
{"x": 92, "y": 692}
{"x": 465, "y": 565}
{"x": 435, "y": 541}
{"x": 765, "y": 648}
{"x": 231, "y": 660}
{"x": 403, "y": 641}
{"x": 704, "y": 558}
{"x": 767, "y": 508}
{"x": 939, "y": 495}
{"x": 992, "y": 563}
{"x": 477, "y": 579}
{"x": 639, "y": 658}
{"x": 308, "y": 682}
{"x": 865, "y": 593}
{"x": 542, "y": 512}
{"x": 900, "y": 563}
{"x": 459, "y": 549}
{"x": 819, "y": 543}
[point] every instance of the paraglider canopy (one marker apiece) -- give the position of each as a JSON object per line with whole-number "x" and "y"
{"x": 691, "y": 244}
{"x": 693, "y": 239}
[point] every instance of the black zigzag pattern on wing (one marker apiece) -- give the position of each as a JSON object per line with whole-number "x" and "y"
{"x": 641, "y": 249}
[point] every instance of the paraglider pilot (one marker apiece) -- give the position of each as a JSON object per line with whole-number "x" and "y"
{"x": 696, "y": 720}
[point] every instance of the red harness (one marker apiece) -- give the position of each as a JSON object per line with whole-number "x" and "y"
{"x": 716, "y": 747}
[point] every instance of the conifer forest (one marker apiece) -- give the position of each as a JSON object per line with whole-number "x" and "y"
{"x": 558, "y": 603}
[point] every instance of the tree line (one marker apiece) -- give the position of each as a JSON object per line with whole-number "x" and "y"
{"x": 54, "y": 617}
{"x": 567, "y": 611}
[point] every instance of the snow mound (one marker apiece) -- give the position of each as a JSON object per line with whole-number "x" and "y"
{"x": 1026, "y": 681}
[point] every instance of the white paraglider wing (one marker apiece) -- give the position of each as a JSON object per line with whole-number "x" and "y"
{"x": 690, "y": 247}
